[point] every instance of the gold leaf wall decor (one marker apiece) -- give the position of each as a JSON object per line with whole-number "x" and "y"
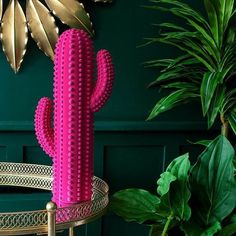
{"x": 1, "y": 9}
{"x": 41, "y": 23}
{"x": 14, "y": 34}
{"x": 42, "y": 26}
{"x": 72, "y": 13}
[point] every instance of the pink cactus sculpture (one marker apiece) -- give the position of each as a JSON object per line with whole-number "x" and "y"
{"x": 70, "y": 142}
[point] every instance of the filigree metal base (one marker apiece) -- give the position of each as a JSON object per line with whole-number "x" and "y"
{"x": 51, "y": 219}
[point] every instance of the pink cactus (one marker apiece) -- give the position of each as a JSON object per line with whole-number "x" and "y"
{"x": 70, "y": 143}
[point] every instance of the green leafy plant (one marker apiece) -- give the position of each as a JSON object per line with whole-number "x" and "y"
{"x": 199, "y": 200}
{"x": 206, "y": 68}
{"x": 196, "y": 199}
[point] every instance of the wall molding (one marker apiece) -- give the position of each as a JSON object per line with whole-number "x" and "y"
{"x": 113, "y": 126}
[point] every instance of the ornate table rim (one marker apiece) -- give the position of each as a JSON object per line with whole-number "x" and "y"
{"x": 40, "y": 176}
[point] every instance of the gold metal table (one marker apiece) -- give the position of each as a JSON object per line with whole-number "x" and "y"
{"x": 50, "y": 220}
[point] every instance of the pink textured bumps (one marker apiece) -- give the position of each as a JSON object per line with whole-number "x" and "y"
{"x": 44, "y": 132}
{"x": 75, "y": 99}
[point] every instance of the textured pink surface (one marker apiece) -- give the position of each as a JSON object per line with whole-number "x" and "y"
{"x": 103, "y": 87}
{"x": 44, "y": 132}
{"x": 75, "y": 100}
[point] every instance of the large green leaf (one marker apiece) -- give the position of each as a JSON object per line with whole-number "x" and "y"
{"x": 173, "y": 189}
{"x": 136, "y": 205}
{"x": 214, "y": 228}
{"x": 213, "y": 185}
{"x": 170, "y": 101}
{"x": 228, "y": 230}
{"x": 192, "y": 229}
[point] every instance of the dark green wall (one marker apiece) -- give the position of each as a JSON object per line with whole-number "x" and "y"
{"x": 129, "y": 152}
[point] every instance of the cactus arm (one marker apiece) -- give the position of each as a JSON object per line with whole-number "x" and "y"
{"x": 103, "y": 88}
{"x": 44, "y": 131}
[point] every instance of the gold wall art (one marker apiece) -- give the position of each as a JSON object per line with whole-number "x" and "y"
{"x": 38, "y": 19}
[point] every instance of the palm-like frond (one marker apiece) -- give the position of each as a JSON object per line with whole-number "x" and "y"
{"x": 208, "y": 62}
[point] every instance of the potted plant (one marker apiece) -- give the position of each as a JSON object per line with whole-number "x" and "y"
{"x": 198, "y": 199}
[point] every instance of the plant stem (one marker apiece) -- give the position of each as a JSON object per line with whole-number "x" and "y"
{"x": 169, "y": 219}
{"x": 225, "y": 126}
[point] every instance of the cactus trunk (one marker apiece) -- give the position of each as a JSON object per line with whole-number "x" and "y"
{"x": 75, "y": 101}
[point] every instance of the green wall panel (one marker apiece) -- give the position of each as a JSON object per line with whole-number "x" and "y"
{"x": 129, "y": 152}
{"x": 121, "y": 162}
{"x": 3, "y": 153}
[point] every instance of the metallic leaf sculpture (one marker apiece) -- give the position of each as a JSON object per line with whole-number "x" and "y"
{"x": 0, "y": 9}
{"x": 14, "y": 34}
{"x": 71, "y": 12}
{"x": 41, "y": 23}
{"x": 42, "y": 26}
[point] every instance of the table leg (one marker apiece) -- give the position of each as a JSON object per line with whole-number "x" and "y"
{"x": 71, "y": 231}
{"x": 51, "y": 209}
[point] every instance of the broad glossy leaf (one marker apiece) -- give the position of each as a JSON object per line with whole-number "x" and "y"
{"x": 208, "y": 87}
{"x": 164, "y": 183}
{"x": 170, "y": 101}
{"x": 173, "y": 189}
{"x": 136, "y": 205}
{"x": 14, "y": 34}
{"x": 72, "y": 13}
{"x": 192, "y": 229}
{"x": 213, "y": 229}
{"x": 228, "y": 230}
{"x": 42, "y": 26}
{"x": 233, "y": 217}
{"x": 213, "y": 185}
